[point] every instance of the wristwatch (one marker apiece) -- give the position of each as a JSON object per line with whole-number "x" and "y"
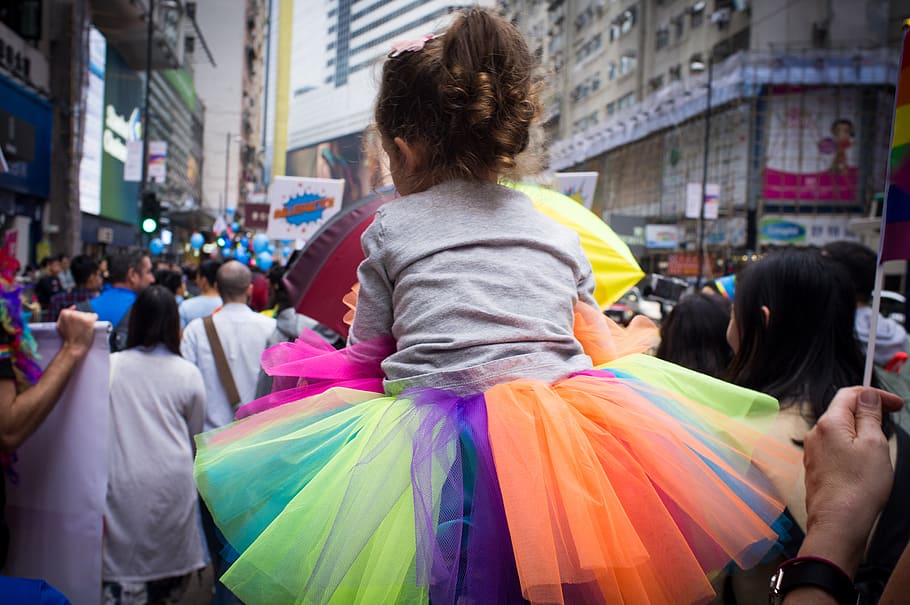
{"x": 812, "y": 571}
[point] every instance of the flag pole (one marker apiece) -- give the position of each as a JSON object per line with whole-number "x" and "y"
{"x": 873, "y": 327}
{"x": 896, "y": 188}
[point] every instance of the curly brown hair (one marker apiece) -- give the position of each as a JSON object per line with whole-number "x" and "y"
{"x": 467, "y": 101}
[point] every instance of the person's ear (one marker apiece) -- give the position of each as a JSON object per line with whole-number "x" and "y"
{"x": 408, "y": 154}
{"x": 766, "y": 312}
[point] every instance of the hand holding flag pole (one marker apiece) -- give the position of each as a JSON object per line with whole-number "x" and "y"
{"x": 895, "y": 231}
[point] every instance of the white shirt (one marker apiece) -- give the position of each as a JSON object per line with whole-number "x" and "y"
{"x": 157, "y": 403}
{"x": 198, "y": 306}
{"x": 243, "y": 334}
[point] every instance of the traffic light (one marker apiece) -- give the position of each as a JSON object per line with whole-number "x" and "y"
{"x": 151, "y": 212}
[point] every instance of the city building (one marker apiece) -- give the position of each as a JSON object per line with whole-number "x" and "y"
{"x": 336, "y": 54}
{"x": 26, "y": 126}
{"x": 232, "y": 92}
{"x": 78, "y": 80}
{"x": 797, "y": 88}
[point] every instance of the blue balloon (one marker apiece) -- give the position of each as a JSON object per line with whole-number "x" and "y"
{"x": 196, "y": 241}
{"x": 230, "y": 211}
{"x": 260, "y": 243}
{"x": 226, "y": 252}
{"x": 235, "y": 226}
{"x": 286, "y": 251}
{"x": 241, "y": 256}
{"x": 245, "y": 242}
{"x": 156, "y": 246}
{"x": 264, "y": 261}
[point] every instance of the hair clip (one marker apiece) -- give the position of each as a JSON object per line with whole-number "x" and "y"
{"x": 410, "y": 46}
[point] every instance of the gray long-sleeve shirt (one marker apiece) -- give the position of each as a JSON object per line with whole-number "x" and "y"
{"x": 475, "y": 287}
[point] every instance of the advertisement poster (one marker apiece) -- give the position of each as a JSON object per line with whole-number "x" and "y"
{"x": 580, "y": 186}
{"x": 712, "y": 200}
{"x": 56, "y": 508}
{"x": 804, "y": 230}
{"x": 122, "y": 124}
{"x": 90, "y": 165}
{"x": 299, "y": 206}
{"x": 157, "y": 170}
{"x": 356, "y": 158}
{"x": 665, "y": 237}
{"x": 812, "y": 145}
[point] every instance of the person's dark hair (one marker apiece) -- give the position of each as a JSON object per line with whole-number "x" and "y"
{"x": 806, "y": 349}
{"x": 83, "y": 267}
{"x": 154, "y": 320}
{"x": 208, "y": 269}
{"x": 119, "y": 265}
{"x": 694, "y": 334}
{"x": 44, "y": 262}
{"x": 172, "y": 280}
{"x": 276, "y": 280}
{"x": 844, "y": 122}
{"x": 859, "y": 261}
{"x": 466, "y": 100}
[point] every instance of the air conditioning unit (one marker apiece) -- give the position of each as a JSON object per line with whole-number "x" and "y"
{"x": 720, "y": 17}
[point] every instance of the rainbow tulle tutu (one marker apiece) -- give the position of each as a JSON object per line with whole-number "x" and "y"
{"x": 630, "y": 483}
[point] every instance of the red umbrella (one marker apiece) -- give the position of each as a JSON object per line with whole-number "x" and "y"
{"x": 326, "y": 269}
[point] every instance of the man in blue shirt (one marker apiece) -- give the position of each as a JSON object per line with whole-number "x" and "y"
{"x": 130, "y": 273}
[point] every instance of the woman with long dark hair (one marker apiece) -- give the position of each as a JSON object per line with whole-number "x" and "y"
{"x": 152, "y": 543}
{"x": 793, "y": 338}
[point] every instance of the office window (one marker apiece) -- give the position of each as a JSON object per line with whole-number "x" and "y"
{"x": 662, "y": 38}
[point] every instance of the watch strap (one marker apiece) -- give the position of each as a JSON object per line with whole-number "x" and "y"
{"x": 817, "y": 572}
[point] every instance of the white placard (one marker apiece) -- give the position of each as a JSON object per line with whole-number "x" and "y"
{"x": 55, "y": 512}
{"x": 580, "y": 186}
{"x": 157, "y": 170}
{"x": 299, "y": 206}
{"x": 693, "y": 201}
{"x": 132, "y": 168}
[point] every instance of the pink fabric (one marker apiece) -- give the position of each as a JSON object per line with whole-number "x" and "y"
{"x": 310, "y": 365}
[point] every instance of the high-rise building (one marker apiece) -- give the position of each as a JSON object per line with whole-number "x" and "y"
{"x": 335, "y": 59}
{"x": 761, "y": 106}
{"x": 232, "y": 92}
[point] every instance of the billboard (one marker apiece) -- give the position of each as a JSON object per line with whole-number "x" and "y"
{"x": 90, "y": 165}
{"x": 813, "y": 135}
{"x": 356, "y": 158}
{"x": 804, "y": 230}
{"x": 121, "y": 125}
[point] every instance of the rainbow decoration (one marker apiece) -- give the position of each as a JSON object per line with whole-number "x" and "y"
{"x": 895, "y": 239}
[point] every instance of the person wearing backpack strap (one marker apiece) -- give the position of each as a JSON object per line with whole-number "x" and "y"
{"x": 129, "y": 273}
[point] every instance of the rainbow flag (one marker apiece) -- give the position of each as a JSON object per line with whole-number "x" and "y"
{"x": 895, "y": 238}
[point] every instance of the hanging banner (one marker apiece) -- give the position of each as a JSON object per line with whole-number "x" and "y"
{"x": 693, "y": 201}
{"x": 812, "y": 155}
{"x": 580, "y": 186}
{"x": 299, "y": 206}
{"x": 157, "y": 170}
{"x": 132, "y": 167}
{"x": 55, "y": 510}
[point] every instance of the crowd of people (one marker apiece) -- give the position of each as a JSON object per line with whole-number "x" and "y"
{"x": 483, "y": 433}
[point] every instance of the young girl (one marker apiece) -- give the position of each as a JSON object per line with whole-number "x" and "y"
{"x": 499, "y": 464}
